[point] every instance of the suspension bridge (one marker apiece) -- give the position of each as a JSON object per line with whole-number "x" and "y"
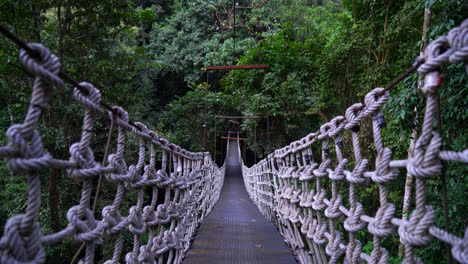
{"x": 297, "y": 205}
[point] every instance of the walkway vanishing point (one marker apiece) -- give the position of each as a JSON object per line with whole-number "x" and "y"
{"x": 235, "y": 231}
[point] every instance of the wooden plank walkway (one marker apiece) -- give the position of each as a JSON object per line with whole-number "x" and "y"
{"x": 235, "y": 231}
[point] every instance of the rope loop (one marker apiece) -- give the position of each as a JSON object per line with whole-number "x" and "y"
{"x": 87, "y": 167}
{"x": 322, "y": 169}
{"x": 114, "y": 223}
{"x": 337, "y": 124}
{"x": 28, "y": 154}
{"x": 356, "y": 176}
{"x": 379, "y": 255}
{"x": 374, "y": 100}
{"x": 333, "y": 247}
{"x": 458, "y": 40}
{"x": 382, "y": 226}
{"x": 353, "y": 115}
{"x": 88, "y": 229}
{"x": 460, "y": 249}
{"x": 426, "y": 162}
{"x": 333, "y": 211}
{"x": 436, "y": 54}
{"x": 338, "y": 173}
{"x": 137, "y": 225}
{"x": 354, "y": 223}
{"x": 318, "y": 203}
{"x": 90, "y": 100}
{"x": 17, "y": 247}
{"x": 383, "y": 171}
{"x": 415, "y": 231}
{"x": 46, "y": 69}
{"x": 353, "y": 251}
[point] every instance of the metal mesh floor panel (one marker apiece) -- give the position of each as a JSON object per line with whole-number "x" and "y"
{"x": 235, "y": 231}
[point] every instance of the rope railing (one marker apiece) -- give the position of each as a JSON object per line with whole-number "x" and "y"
{"x": 189, "y": 183}
{"x": 304, "y": 194}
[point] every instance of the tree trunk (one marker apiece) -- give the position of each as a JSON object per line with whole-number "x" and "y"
{"x": 414, "y": 133}
{"x": 54, "y": 200}
{"x": 10, "y": 113}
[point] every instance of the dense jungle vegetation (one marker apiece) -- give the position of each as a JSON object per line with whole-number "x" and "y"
{"x": 149, "y": 56}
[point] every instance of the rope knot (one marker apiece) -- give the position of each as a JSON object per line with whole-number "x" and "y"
{"x": 294, "y": 214}
{"x": 354, "y": 223}
{"x": 374, "y": 100}
{"x": 120, "y": 115}
{"x": 162, "y": 214}
{"x": 141, "y": 130}
{"x": 382, "y": 225}
{"x": 325, "y": 130}
{"x": 415, "y": 231}
{"x": 308, "y": 175}
{"x": 151, "y": 175}
{"x": 379, "y": 255}
{"x": 460, "y": 248}
{"x": 47, "y": 68}
{"x": 87, "y": 166}
{"x": 353, "y": 251}
{"x": 303, "y": 197}
{"x": 114, "y": 222}
{"x": 166, "y": 181}
{"x": 338, "y": 173}
{"x": 24, "y": 156}
{"x": 458, "y": 40}
{"x": 383, "y": 172}
{"x": 337, "y": 125}
{"x": 175, "y": 210}
{"x": 436, "y": 54}
{"x": 318, "y": 203}
{"x": 136, "y": 226}
{"x": 333, "y": 247}
{"x": 305, "y": 224}
{"x": 356, "y": 176}
{"x": 319, "y": 234}
{"x": 353, "y": 115}
{"x": 118, "y": 165}
{"x": 322, "y": 169}
{"x": 91, "y": 100}
{"x": 149, "y": 216}
{"x": 432, "y": 82}
{"x": 159, "y": 246}
{"x": 135, "y": 179}
{"x": 153, "y": 135}
{"x": 309, "y": 199}
{"x": 333, "y": 211}
{"x": 425, "y": 162}
{"x": 21, "y": 246}
{"x": 88, "y": 229}
{"x": 312, "y": 228}
{"x": 173, "y": 241}
{"x": 295, "y": 198}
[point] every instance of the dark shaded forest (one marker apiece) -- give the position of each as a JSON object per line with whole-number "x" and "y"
{"x": 150, "y": 57}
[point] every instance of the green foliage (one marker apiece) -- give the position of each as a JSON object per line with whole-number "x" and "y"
{"x": 178, "y": 43}
{"x": 184, "y": 118}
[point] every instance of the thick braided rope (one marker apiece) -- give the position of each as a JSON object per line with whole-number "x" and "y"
{"x": 301, "y": 193}
{"x": 189, "y": 183}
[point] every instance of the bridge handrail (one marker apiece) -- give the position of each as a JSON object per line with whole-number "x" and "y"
{"x": 313, "y": 218}
{"x": 190, "y": 182}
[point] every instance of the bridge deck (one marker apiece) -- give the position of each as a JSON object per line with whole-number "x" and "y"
{"x": 235, "y": 231}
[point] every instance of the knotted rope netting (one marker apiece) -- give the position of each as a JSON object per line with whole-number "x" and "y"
{"x": 289, "y": 185}
{"x": 189, "y": 183}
